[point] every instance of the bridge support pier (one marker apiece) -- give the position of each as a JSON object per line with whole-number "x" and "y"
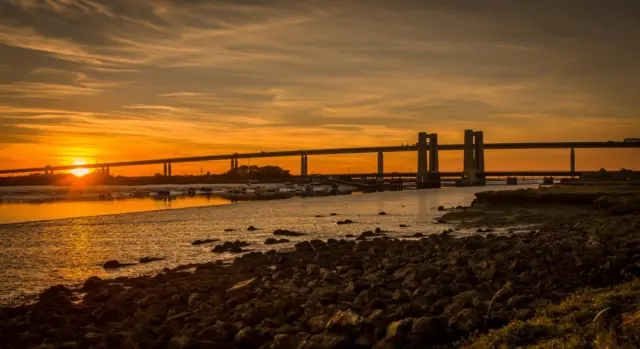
{"x": 572, "y": 160}
{"x": 512, "y": 180}
{"x": 433, "y": 179}
{"x": 547, "y": 181}
{"x": 164, "y": 173}
{"x": 48, "y": 170}
{"x": 421, "y": 176}
{"x": 380, "y": 177}
{"x": 304, "y": 165}
{"x": 168, "y": 169}
{"x": 473, "y": 159}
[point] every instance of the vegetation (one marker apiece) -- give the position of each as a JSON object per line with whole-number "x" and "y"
{"x": 242, "y": 173}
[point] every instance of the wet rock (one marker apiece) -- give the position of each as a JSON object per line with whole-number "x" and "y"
{"x": 319, "y": 216}
{"x": 399, "y": 329}
{"x": 326, "y": 341}
{"x": 349, "y": 236}
{"x": 232, "y": 247}
{"x": 403, "y": 226}
{"x": 440, "y": 208}
{"x": 220, "y": 332}
{"x": 466, "y": 320}
{"x": 202, "y": 242}
{"x": 486, "y": 230}
{"x": 228, "y": 229}
{"x": 283, "y": 232}
{"x": 367, "y": 234}
{"x": 113, "y": 264}
{"x": 344, "y": 322}
{"x": 430, "y": 327}
{"x": 346, "y": 221}
{"x": 416, "y": 235}
{"x": 249, "y": 337}
{"x": 243, "y": 286}
{"x": 151, "y": 259}
{"x": 272, "y": 241}
{"x": 318, "y": 323}
{"x": 333, "y": 214}
{"x": 92, "y": 283}
{"x": 382, "y": 213}
{"x": 252, "y": 228}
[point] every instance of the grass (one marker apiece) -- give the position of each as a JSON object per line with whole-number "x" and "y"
{"x": 606, "y": 318}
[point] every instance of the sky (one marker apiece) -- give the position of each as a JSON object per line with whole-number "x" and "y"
{"x": 99, "y": 81}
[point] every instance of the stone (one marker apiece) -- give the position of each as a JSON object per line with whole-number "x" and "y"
{"x": 403, "y": 226}
{"x": 194, "y": 300}
{"x": 282, "y": 232}
{"x": 428, "y": 327}
{"x": 440, "y": 208}
{"x": 249, "y": 337}
{"x": 220, "y": 332}
{"x": 466, "y": 320}
{"x": 243, "y": 286}
{"x": 252, "y": 228}
{"x": 228, "y": 229}
{"x": 382, "y": 213}
{"x": 326, "y": 341}
{"x": 346, "y": 221}
{"x": 202, "y": 242}
{"x": 344, "y": 322}
{"x": 272, "y": 241}
{"x": 151, "y": 259}
{"x": 92, "y": 283}
{"x": 399, "y": 329}
{"x": 318, "y": 323}
{"x": 113, "y": 264}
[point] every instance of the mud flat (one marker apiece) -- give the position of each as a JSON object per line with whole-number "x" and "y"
{"x": 572, "y": 261}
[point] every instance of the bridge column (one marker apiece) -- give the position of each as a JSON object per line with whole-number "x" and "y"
{"x": 165, "y": 170}
{"x": 573, "y": 160}
{"x": 479, "y": 157}
{"x": 380, "y": 167}
{"x": 47, "y": 170}
{"x": 235, "y": 163}
{"x": 107, "y": 170}
{"x": 169, "y": 169}
{"x": 304, "y": 165}
{"x": 421, "y": 176}
{"x": 433, "y": 174}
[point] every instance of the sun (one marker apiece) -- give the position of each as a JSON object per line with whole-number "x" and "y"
{"x": 79, "y": 172}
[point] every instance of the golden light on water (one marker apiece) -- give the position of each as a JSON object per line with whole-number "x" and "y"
{"x": 79, "y": 172}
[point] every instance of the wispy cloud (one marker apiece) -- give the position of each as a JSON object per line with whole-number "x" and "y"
{"x": 225, "y": 75}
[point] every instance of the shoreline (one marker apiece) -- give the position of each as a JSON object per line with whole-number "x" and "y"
{"x": 380, "y": 292}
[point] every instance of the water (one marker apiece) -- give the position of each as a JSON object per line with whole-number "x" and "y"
{"x": 36, "y": 255}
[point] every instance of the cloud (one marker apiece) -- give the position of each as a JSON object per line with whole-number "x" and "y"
{"x": 290, "y": 74}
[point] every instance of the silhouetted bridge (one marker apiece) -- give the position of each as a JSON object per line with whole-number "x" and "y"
{"x": 427, "y": 147}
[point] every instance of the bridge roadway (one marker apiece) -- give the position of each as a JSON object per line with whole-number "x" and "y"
{"x": 334, "y": 151}
{"x": 459, "y": 174}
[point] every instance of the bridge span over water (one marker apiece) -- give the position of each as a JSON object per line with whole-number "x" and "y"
{"x": 427, "y": 148}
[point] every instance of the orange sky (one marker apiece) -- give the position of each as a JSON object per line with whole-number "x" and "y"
{"x": 123, "y": 80}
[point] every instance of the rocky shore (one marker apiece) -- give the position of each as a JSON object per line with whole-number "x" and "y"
{"x": 439, "y": 291}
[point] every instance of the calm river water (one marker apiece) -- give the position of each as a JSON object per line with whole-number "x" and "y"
{"x": 47, "y": 251}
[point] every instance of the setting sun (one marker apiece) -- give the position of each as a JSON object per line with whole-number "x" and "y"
{"x": 79, "y": 172}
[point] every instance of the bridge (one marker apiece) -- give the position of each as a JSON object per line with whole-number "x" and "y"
{"x": 427, "y": 147}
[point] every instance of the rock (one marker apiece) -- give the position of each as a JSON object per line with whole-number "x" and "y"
{"x": 382, "y": 213}
{"x": 403, "y": 226}
{"x": 243, "y": 286}
{"x": 232, "y": 247}
{"x": 487, "y": 230}
{"x": 344, "y": 322}
{"x": 283, "y": 232}
{"x": 220, "y": 332}
{"x": 466, "y": 320}
{"x": 367, "y": 234}
{"x": 194, "y": 300}
{"x": 430, "y": 327}
{"x": 349, "y": 236}
{"x": 333, "y": 214}
{"x": 151, "y": 259}
{"x": 319, "y": 216}
{"x": 92, "y": 283}
{"x": 440, "y": 208}
{"x": 378, "y": 230}
{"x": 228, "y": 229}
{"x": 201, "y": 242}
{"x": 113, "y": 264}
{"x": 326, "y": 341}
{"x": 272, "y": 241}
{"x": 399, "y": 329}
{"x": 249, "y": 337}
{"x": 318, "y": 323}
{"x": 346, "y": 221}
{"x": 252, "y": 228}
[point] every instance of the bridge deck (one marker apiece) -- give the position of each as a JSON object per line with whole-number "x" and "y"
{"x": 335, "y": 151}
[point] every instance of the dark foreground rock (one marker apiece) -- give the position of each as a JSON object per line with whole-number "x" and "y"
{"x": 232, "y": 247}
{"x": 272, "y": 241}
{"x": 113, "y": 264}
{"x": 202, "y": 242}
{"x": 145, "y": 260}
{"x": 346, "y": 221}
{"x": 438, "y": 291}
{"x": 284, "y": 232}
